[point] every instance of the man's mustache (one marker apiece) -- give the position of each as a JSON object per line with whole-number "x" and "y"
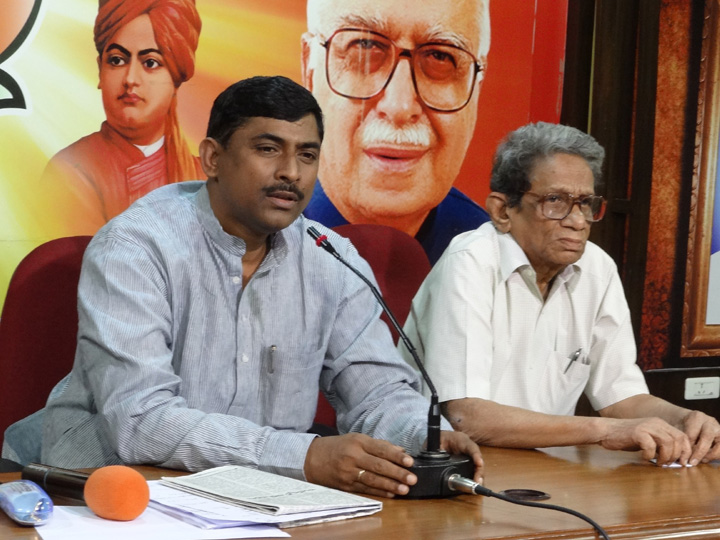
{"x": 292, "y": 188}
{"x": 383, "y": 132}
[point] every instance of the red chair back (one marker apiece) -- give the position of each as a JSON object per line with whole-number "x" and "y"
{"x": 398, "y": 261}
{"x": 38, "y": 327}
{"x": 400, "y": 266}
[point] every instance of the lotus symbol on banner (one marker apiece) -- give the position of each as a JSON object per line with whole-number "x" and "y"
{"x": 17, "y": 20}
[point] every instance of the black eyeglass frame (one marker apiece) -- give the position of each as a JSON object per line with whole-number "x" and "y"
{"x": 574, "y": 200}
{"x": 405, "y": 53}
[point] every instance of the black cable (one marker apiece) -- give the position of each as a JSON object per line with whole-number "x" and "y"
{"x": 481, "y": 490}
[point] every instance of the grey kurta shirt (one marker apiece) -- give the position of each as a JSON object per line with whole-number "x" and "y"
{"x": 178, "y": 366}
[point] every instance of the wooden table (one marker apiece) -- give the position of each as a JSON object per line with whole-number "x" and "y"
{"x": 627, "y": 496}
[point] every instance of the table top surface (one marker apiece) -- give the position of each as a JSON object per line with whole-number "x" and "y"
{"x": 627, "y": 496}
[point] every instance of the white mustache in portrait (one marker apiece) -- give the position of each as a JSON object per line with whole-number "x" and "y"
{"x": 379, "y": 132}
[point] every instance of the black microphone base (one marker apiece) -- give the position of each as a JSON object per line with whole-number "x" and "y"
{"x": 433, "y": 470}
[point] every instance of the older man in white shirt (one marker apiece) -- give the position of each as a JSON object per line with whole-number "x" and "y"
{"x": 521, "y": 316}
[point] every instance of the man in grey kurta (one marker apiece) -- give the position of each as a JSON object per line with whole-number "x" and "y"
{"x": 209, "y": 319}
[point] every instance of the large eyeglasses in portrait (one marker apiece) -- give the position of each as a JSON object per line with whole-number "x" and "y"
{"x": 360, "y": 63}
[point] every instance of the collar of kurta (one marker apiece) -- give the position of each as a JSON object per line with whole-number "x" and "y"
{"x": 233, "y": 244}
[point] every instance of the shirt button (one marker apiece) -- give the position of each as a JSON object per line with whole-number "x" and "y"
{"x": 236, "y": 280}
{"x": 245, "y": 358}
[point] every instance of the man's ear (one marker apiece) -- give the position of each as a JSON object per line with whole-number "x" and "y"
{"x": 307, "y": 70}
{"x": 496, "y": 205}
{"x": 208, "y": 153}
{"x": 483, "y": 74}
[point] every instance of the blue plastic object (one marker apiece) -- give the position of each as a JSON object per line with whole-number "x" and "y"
{"x": 25, "y": 502}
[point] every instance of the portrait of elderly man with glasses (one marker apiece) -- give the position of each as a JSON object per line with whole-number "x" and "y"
{"x": 398, "y": 83}
{"x": 520, "y": 317}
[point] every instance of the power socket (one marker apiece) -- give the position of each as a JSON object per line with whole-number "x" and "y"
{"x": 702, "y": 388}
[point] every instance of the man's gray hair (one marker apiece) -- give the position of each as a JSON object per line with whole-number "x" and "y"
{"x": 517, "y": 154}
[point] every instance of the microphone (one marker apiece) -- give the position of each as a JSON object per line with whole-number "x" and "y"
{"x": 434, "y": 467}
{"x": 115, "y": 492}
{"x": 439, "y": 473}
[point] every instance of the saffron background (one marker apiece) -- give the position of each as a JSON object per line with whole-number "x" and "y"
{"x": 56, "y": 68}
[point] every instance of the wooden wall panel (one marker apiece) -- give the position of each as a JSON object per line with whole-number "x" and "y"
{"x": 667, "y": 232}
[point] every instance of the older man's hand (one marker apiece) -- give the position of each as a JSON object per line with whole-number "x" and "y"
{"x": 703, "y": 431}
{"x": 653, "y": 436}
{"x": 356, "y": 462}
{"x": 456, "y": 442}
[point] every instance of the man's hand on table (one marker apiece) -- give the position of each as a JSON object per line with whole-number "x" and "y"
{"x": 358, "y": 463}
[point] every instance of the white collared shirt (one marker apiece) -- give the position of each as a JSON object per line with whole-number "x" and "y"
{"x": 150, "y": 149}
{"x": 481, "y": 326}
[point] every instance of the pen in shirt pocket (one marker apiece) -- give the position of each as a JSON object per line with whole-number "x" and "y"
{"x": 573, "y": 358}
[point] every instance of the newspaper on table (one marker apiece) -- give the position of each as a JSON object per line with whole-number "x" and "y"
{"x": 260, "y": 497}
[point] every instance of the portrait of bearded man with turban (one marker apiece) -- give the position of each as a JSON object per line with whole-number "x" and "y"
{"x": 146, "y": 50}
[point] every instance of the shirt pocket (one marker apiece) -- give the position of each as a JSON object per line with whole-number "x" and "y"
{"x": 563, "y": 383}
{"x": 290, "y": 387}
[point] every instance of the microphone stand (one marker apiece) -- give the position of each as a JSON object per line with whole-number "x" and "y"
{"x": 433, "y": 467}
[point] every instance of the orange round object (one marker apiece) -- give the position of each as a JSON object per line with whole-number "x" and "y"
{"x": 117, "y": 492}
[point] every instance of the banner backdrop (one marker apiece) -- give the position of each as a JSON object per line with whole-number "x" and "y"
{"x": 49, "y": 95}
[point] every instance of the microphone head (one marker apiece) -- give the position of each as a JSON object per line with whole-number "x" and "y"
{"x": 312, "y": 231}
{"x": 322, "y": 241}
{"x": 117, "y": 492}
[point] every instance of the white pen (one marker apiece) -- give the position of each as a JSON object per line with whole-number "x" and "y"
{"x": 573, "y": 357}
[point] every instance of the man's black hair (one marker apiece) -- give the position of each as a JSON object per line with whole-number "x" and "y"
{"x": 270, "y": 97}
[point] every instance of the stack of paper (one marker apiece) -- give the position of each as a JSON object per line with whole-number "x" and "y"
{"x": 232, "y": 495}
{"x": 79, "y": 523}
